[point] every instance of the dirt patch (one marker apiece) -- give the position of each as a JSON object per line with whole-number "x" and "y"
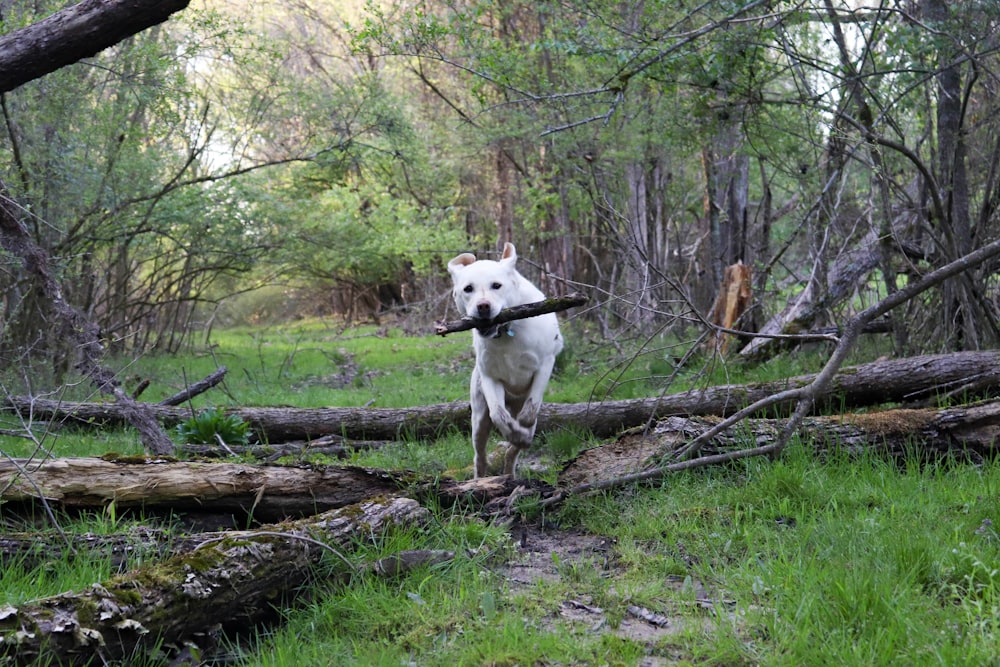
{"x": 543, "y": 554}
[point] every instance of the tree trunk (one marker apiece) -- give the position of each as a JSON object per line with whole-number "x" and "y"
{"x": 234, "y": 581}
{"x": 898, "y": 380}
{"x": 74, "y": 33}
{"x": 927, "y": 433}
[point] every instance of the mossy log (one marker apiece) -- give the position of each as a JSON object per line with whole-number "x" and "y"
{"x": 896, "y": 380}
{"x": 230, "y": 493}
{"x": 926, "y": 433}
{"x": 228, "y": 584}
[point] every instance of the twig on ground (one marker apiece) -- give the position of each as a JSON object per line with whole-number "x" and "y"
{"x": 197, "y": 388}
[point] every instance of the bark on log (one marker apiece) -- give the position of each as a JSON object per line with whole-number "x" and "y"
{"x": 74, "y": 33}
{"x": 925, "y": 432}
{"x": 231, "y": 582}
{"x": 897, "y": 380}
{"x": 265, "y": 493}
{"x": 30, "y": 550}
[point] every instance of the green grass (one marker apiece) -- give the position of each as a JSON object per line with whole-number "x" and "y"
{"x": 796, "y": 561}
{"x": 791, "y": 562}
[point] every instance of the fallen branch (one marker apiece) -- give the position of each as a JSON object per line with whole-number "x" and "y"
{"x": 74, "y": 325}
{"x": 197, "y": 388}
{"x": 521, "y": 312}
{"x": 807, "y": 396}
{"x": 638, "y": 456}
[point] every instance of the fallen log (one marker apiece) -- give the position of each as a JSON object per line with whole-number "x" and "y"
{"x": 231, "y": 582}
{"x": 235, "y": 491}
{"x": 29, "y": 550}
{"x": 926, "y": 432}
{"x": 127, "y": 549}
{"x": 265, "y": 493}
{"x": 894, "y": 380}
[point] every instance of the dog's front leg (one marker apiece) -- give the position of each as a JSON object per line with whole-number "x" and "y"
{"x": 528, "y": 415}
{"x": 496, "y": 399}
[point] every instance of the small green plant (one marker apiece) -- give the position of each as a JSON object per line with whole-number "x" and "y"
{"x": 211, "y": 425}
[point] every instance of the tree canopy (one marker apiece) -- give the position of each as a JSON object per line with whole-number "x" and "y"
{"x": 340, "y": 151}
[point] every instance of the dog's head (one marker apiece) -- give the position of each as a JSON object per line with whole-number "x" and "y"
{"x": 483, "y": 287}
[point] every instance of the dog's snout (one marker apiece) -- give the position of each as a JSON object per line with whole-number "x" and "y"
{"x": 484, "y": 309}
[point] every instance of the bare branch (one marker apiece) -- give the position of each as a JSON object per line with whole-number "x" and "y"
{"x": 521, "y": 312}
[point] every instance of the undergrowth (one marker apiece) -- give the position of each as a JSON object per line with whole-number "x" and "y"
{"x": 802, "y": 560}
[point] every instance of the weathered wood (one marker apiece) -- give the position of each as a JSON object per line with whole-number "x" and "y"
{"x": 263, "y": 493}
{"x": 74, "y": 33}
{"x": 266, "y": 493}
{"x": 731, "y": 302}
{"x": 553, "y": 305}
{"x": 925, "y": 432}
{"x": 894, "y": 380}
{"x": 232, "y": 582}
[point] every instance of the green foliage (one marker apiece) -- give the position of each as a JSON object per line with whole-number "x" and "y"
{"x": 211, "y": 425}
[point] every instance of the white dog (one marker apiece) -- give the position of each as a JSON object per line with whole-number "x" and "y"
{"x": 513, "y": 361}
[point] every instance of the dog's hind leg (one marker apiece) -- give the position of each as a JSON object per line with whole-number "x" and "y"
{"x": 481, "y": 425}
{"x": 510, "y": 458}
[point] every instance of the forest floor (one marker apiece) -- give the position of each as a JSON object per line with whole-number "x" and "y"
{"x": 551, "y": 554}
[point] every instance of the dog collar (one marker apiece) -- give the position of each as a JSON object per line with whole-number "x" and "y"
{"x": 497, "y": 331}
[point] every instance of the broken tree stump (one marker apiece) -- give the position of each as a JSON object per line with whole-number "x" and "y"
{"x": 733, "y": 299}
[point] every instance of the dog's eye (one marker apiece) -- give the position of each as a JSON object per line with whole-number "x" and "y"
{"x": 496, "y": 285}
{"x": 468, "y": 289}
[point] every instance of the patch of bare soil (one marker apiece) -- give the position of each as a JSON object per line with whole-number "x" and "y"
{"x": 544, "y": 554}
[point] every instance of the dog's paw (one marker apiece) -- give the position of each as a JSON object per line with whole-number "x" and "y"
{"x": 528, "y": 414}
{"x": 512, "y": 430}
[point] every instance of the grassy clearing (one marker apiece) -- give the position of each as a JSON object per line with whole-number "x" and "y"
{"x": 797, "y": 561}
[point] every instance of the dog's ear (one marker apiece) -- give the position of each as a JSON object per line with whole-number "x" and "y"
{"x": 509, "y": 255}
{"x": 463, "y": 260}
